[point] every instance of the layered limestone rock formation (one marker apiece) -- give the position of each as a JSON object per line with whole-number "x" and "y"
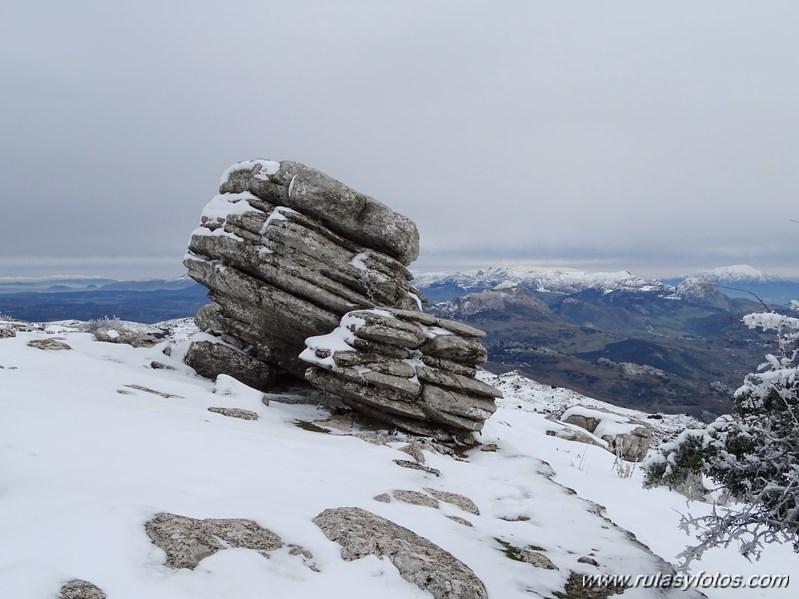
{"x": 408, "y": 368}
{"x": 287, "y": 252}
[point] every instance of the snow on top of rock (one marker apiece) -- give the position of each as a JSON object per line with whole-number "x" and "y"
{"x": 268, "y": 167}
{"x": 234, "y": 389}
{"x": 358, "y": 260}
{"x": 321, "y": 348}
{"x": 609, "y": 424}
{"x": 218, "y": 232}
{"x": 223, "y": 205}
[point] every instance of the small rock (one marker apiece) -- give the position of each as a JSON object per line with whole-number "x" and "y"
{"x": 48, "y": 344}
{"x": 414, "y": 498}
{"x": 489, "y": 447}
{"x": 80, "y": 589}
{"x": 588, "y": 560}
{"x": 152, "y": 391}
{"x": 235, "y": 413}
{"x": 414, "y": 449}
{"x": 160, "y": 366}
{"x": 376, "y": 438}
{"x": 382, "y": 498}
{"x": 529, "y": 555}
{"x": 460, "y": 520}
{"x": 576, "y": 589}
{"x": 463, "y": 502}
{"x": 415, "y": 466}
{"x": 307, "y": 556}
{"x": 537, "y": 559}
{"x": 341, "y": 422}
{"x": 515, "y": 518}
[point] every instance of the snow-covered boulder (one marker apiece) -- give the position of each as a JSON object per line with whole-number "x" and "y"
{"x": 286, "y": 251}
{"x": 7, "y": 332}
{"x": 408, "y": 368}
{"x": 626, "y": 437}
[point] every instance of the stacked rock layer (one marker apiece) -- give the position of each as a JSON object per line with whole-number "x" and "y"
{"x": 286, "y": 251}
{"x": 409, "y": 368}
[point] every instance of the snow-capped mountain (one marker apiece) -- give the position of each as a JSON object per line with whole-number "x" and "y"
{"x": 102, "y": 441}
{"x": 738, "y": 272}
{"x": 744, "y": 281}
{"x": 542, "y": 280}
{"x": 739, "y": 281}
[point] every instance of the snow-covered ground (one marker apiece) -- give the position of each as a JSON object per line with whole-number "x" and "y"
{"x": 94, "y": 441}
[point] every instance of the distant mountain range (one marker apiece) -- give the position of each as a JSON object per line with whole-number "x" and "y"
{"x": 86, "y": 298}
{"x": 673, "y": 346}
{"x": 733, "y": 281}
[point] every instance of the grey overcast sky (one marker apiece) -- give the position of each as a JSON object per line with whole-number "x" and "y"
{"x": 655, "y": 137}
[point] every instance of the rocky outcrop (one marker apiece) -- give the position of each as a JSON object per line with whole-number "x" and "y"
{"x": 408, "y": 368}
{"x": 286, "y": 251}
{"x": 626, "y": 437}
{"x": 6, "y": 332}
{"x": 428, "y": 566}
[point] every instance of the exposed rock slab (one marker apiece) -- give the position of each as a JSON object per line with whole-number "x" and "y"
{"x": 419, "y": 561}
{"x": 187, "y": 541}
{"x": 463, "y": 502}
{"x": 234, "y": 413}
{"x": 48, "y": 344}
{"x": 414, "y": 498}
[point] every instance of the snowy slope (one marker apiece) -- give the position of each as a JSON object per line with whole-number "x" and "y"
{"x": 89, "y": 452}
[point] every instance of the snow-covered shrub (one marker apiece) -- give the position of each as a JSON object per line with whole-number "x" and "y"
{"x": 752, "y": 454}
{"x": 114, "y": 330}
